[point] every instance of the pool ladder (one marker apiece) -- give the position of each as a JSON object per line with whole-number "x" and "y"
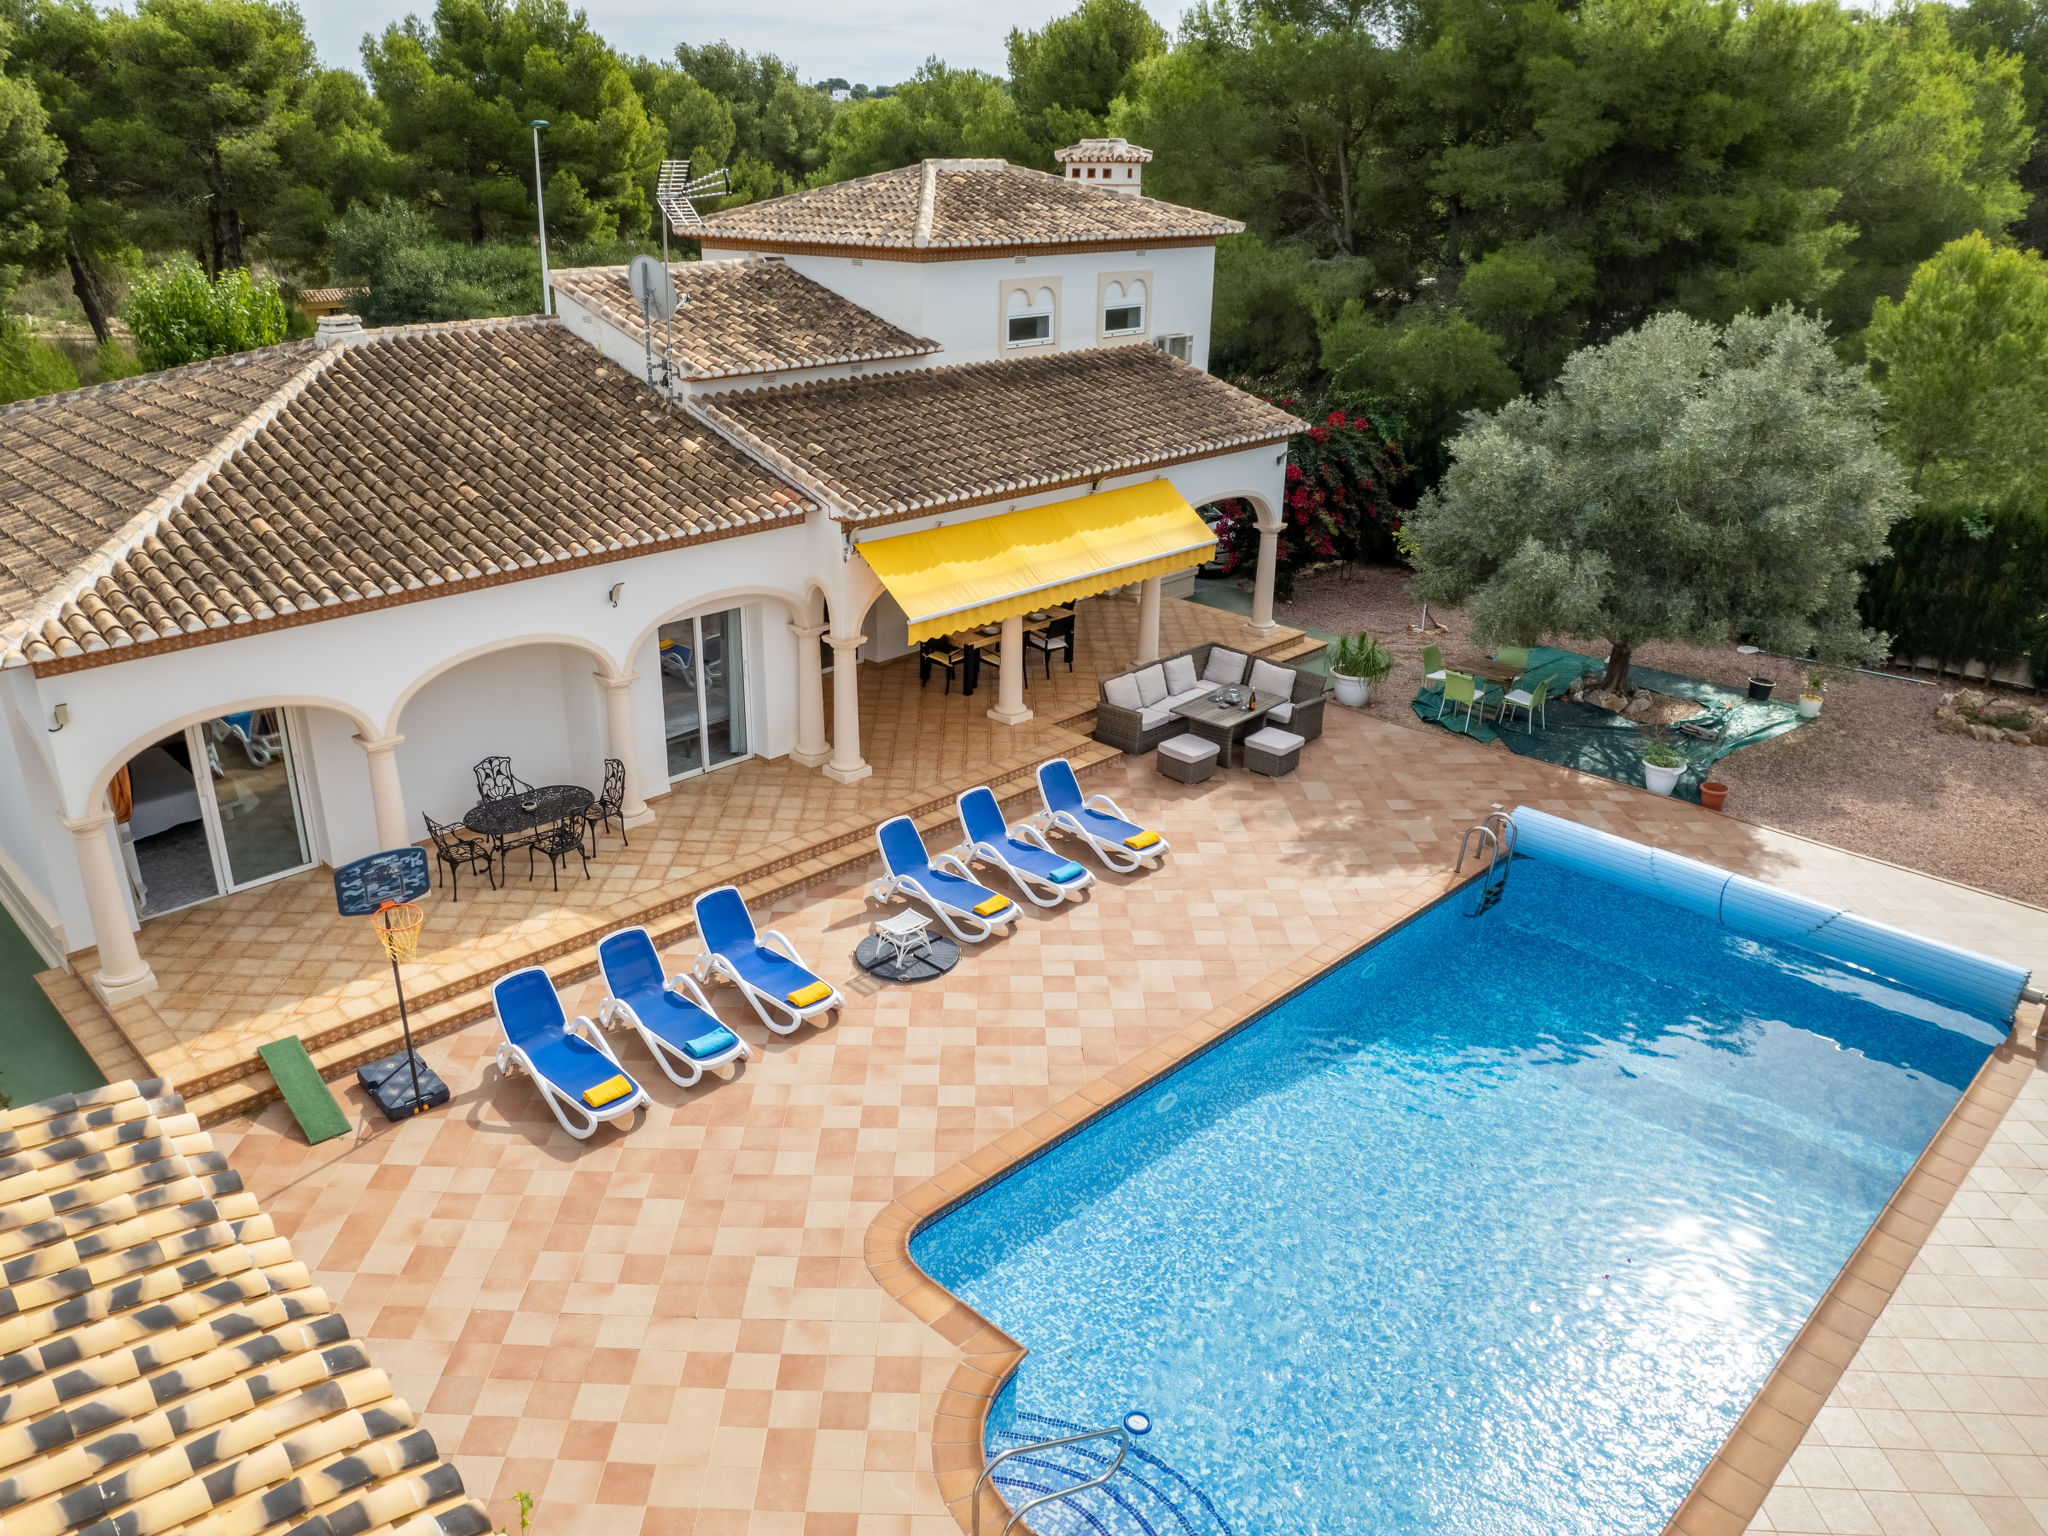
{"x": 1496, "y": 837}
{"x": 1146, "y": 1498}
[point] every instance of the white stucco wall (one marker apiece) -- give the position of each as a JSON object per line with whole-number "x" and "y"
{"x": 959, "y": 305}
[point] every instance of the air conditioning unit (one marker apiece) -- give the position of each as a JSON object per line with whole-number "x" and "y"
{"x": 1181, "y": 346}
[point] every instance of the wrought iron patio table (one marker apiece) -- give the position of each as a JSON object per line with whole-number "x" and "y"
{"x": 1227, "y": 724}
{"x": 511, "y": 814}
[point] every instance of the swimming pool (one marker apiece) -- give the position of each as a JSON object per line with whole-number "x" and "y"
{"x": 1497, "y": 1227}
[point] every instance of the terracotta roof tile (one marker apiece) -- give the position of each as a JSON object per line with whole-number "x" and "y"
{"x": 738, "y": 317}
{"x": 420, "y": 459}
{"x": 169, "y": 1363}
{"x": 958, "y": 205}
{"x": 902, "y": 444}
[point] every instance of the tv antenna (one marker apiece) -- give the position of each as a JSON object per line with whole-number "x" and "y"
{"x": 654, "y": 290}
{"x": 675, "y": 191}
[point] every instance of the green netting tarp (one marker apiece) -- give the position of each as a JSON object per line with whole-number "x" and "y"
{"x": 1598, "y": 741}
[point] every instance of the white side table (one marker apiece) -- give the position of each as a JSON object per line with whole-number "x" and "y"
{"x": 904, "y": 934}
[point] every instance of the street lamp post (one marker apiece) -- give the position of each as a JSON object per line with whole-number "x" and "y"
{"x": 547, "y": 301}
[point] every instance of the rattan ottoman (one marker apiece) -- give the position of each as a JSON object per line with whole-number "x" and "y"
{"x": 1272, "y": 751}
{"x": 1190, "y": 759}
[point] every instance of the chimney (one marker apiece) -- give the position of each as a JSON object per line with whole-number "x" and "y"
{"x": 339, "y": 331}
{"x": 1108, "y": 165}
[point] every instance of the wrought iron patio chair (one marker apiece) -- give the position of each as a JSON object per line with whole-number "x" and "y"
{"x": 609, "y": 806}
{"x": 1057, "y": 638}
{"x": 457, "y": 849}
{"x": 495, "y": 780}
{"x": 556, "y": 843}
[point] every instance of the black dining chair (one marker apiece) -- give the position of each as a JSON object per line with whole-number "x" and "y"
{"x": 495, "y": 780}
{"x": 556, "y": 843}
{"x": 1057, "y": 638}
{"x": 939, "y": 653}
{"x": 611, "y": 805}
{"x": 457, "y": 849}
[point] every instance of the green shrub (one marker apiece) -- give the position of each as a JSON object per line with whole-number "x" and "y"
{"x": 179, "y": 317}
{"x": 1965, "y": 584}
{"x": 31, "y": 367}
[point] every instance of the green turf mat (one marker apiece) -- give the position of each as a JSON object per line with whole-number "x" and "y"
{"x": 1598, "y": 741}
{"x": 297, "y": 1078}
{"x": 42, "y": 1057}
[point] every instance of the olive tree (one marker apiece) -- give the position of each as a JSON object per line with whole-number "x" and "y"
{"x": 1685, "y": 481}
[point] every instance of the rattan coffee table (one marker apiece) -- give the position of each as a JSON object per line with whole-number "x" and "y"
{"x": 1227, "y": 724}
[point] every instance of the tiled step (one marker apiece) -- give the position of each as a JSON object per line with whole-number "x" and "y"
{"x": 338, "y": 1052}
{"x": 95, "y": 1030}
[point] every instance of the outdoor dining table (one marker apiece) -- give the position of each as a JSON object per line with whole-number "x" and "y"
{"x": 972, "y": 641}
{"x": 1496, "y": 672}
{"x": 543, "y": 807}
{"x": 1228, "y": 724}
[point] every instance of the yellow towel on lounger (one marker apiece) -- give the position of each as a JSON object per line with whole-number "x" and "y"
{"x": 1142, "y": 840}
{"x": 991, "y": 907}
{"x": 614, "y": 1087}
{"x": 803, "y": 997}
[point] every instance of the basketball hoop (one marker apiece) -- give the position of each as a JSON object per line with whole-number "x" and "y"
{"x": 398, "y": 929}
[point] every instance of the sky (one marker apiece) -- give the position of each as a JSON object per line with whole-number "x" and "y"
{"x": 873, "y": 42}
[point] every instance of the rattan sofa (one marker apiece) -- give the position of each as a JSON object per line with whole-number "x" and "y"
{"x": 1125, "y": 721}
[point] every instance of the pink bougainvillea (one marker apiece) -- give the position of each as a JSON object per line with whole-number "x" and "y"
{"x": 1339, "y": 474}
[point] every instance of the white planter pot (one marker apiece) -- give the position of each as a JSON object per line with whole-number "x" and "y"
{"x": 1352, "y": 692}
{"x": 1659, "y": 781}
{"x": 1809, "y": 706}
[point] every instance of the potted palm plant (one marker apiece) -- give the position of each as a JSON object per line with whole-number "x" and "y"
{"x": 1809, "y": 701}
{"x": 1662, "y": 764}
{"x": 1358, "y": 662}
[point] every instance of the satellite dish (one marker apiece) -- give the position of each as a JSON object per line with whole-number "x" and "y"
{"x": 653, "y": 289}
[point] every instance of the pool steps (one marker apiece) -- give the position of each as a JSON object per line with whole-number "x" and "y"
{"x": 1145, "y": 1497}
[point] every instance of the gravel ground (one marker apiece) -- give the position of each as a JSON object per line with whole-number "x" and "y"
{"x": 1871, "y": 775}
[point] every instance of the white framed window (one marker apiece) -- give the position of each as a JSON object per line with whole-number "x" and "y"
{"x": 1123, "y": 307}
{"x": 1030, "y": 312}
{"x": 1181, "y": 346}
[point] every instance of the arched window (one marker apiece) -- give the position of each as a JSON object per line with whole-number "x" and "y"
{"x": 1029, "y": 317}
{"x": 1123, "y": 309}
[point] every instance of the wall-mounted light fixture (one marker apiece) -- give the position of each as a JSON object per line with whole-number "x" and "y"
{"x": 62, "y": 715}
{"x": 613, "y": 595}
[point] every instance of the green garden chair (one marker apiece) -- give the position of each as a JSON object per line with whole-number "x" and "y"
{"x": 1432, "y": 668}
{"x": 1459, "y": 689}
{"x": 1516, "y": 656}
{"x": 1533, "y": 704}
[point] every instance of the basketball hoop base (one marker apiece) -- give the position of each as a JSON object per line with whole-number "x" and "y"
{"x": 389, "y": 1082}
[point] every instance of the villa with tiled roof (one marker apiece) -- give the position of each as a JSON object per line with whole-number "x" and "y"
{"x": 262, "y": 615}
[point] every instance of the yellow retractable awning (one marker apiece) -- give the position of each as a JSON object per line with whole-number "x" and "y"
{"x": 955, "y": 578}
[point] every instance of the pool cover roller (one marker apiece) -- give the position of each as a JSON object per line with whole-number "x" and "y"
{"x": 1961, "y": 978}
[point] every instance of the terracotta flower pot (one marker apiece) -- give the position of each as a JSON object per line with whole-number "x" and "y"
{"x": 1713, "y": 794}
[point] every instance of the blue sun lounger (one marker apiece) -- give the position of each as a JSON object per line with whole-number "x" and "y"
{"x": 570, "y": 1062}
{"x": 670, "y": 1013}
{"x": 952, "y": 893}
{"x": 777, "y": 987}
{"x": 1113, "y": 837}
{"x": 1046, "y": 878}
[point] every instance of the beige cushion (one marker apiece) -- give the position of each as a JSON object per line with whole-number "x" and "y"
{"x": 1153, "y": 716}
{"x": 1180, "y": 675}
{"x": 1281, "y": 714}
{"x": 1151, "y": 685}
{"x": 1273, "y": 740}
{"x": 1187, "y": 749}
{"x": 1199, "y": 691}
{"x": 1226, "y": 668}
{"x": 1122, "y": 692}
{"x": 1267, "y": 678}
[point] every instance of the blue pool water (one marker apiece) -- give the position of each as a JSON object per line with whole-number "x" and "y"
{"x": 1496, "y": 1228}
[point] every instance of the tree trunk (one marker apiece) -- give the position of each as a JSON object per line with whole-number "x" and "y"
{"x": 1616, "y": 679}
{"x": 92, "y": 293}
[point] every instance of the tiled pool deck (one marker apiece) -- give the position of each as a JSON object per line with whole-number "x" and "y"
{"x": 676, "y": 1330}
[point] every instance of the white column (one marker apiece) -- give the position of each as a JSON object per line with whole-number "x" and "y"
{"x": 846, "y": 765}
{"x": 811, "y": 747}
{"x": 123, "y": 973}
{"x": 1010, "y": 708}
{"x": 624, "y": 743}
{"x": 1262, "y": 584}
{"x": 387, "y": 795}
{"x": 1148, "y": 619}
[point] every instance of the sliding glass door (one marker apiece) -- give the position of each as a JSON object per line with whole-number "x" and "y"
{"x": 213, "y": 808}
{"x": 703, "y": 692}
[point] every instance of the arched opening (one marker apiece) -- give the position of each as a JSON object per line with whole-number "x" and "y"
{"x": 537, "y": 703}
{"x": 222, "y": 804}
